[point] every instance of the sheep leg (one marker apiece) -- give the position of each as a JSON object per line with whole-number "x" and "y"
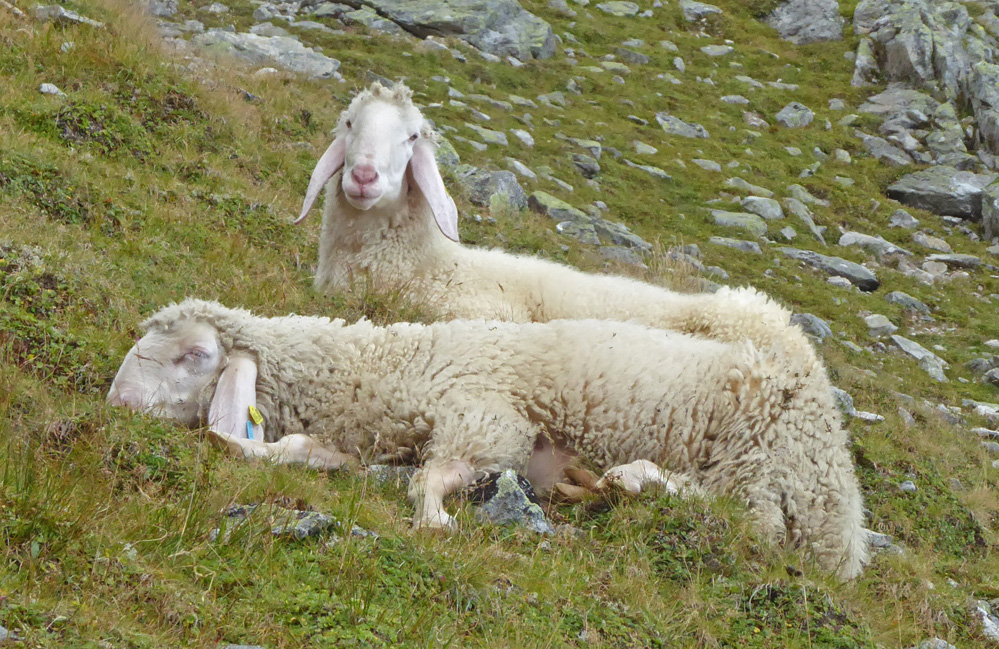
{"x": 291, "y": 449}
{"x": 635, "y": 477}
{"x": 431, "y": 485}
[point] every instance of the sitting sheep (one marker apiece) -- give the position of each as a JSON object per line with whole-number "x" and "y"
{"x": 467, "y": 397}
{"x": 389, "y": 219}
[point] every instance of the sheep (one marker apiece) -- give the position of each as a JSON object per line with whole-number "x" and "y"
{"x": 466, "y": 397}
{"x": 389, "y": 220}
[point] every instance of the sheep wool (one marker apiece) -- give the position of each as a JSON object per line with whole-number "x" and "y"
{"x": 733, "y": 417}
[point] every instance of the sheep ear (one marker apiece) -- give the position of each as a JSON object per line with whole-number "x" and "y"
{"x": 328, "y": 164}
{"x": 235, "y": 392}
{"x": 423, "y": 169}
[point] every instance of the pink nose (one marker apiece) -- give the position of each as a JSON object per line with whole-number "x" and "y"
{"x": 364, "y": 174}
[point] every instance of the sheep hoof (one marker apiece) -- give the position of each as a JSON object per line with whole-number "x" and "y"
{"x": 437, "y": 521}
{"x": 226, "y": 443}
{"x": 582, "y": 477}
{"x": 570, "y": 493}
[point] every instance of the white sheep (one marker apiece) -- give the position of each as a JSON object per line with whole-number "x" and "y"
{"x": 465, "y": 397}
{"x": 389, "y": 220}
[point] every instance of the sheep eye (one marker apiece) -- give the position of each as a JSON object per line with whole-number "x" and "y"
{"x": 348, "y": 123}
{"x": 198, "y": 354}
{"x": 413, "y": 137}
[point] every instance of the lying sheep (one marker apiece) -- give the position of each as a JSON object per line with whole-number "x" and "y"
{"x": 467, "y": 397}
{"x": 389, "y": 219}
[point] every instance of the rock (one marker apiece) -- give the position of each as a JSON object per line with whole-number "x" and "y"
{"x": 499, "y": 27}
{"x": 644, "y": 149}
{"x": 739, "y": 183}
{"x": 57, "y": 14}
{"x": 943, "y": 190}
{"x": 391, "y": 474}
{"x": 800, "y": 210}
{"x": 676, "y": 126}
{"x": 768, "y": 208}
{"x": 984, "y": 618}
{"x": 749, "y": 222}
{"x": 525, "y": 138}
{"x": 268, "y": 29}
{"x": 303, "y": 524}
{"x": 717, "y": 50}
{"x": 631, "y": 56}
{"x": 50, "y": 89}
{"x": 241, "y": 646}
{"x": 734, "y": 99}
{"x": 508, "y": 498}
{"x": 738, "y": 244}
{"x": 283, "y": 52}
{"x": 868, "y": 417}
{"x": 372, "y": 20}
{"x": 520, "y": 168}
{"x": 814, "y": 326}
{"x": 991, "y": 377}
{"x": 906, "y": 301}
{"x": 957, "y": 261}
{"x": 649, "y": 169}
{"x": 807, "y": 21}
{"x": 329, "y": 10}
{"x": 916, "y": 350}
{"x": 586, "y": 165}
{"x": 488, "y": 136}
{"x": 694, "y": 11}
{"x": 907, "y": 486}
{"x": 902, "y": 219}
{"x": 294, "y": 523}
{"x": 879, "y": 325}
{"x": 859, "y": 276}
{"x": 795, "y": 115}
{"x": 620, "y": 8}
{"x": 707, "y": 165}
{"x": 881, "y": 149}
{"x": 934, "y": 643}
{"x": 876, "y": 245}
{"x": 555, "y": 208}
{"x": 933, "y": 243}
{"x": 990, "y": 211}
{"x": 496, "y": 190}
{"x": 161, "y": 8}
{"x": 865, "y": 65}
{"x": 803, "y": 195}
{"x": 216, "y": 8}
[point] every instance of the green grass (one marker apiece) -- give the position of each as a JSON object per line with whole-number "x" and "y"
{"x": 157, "y": 178}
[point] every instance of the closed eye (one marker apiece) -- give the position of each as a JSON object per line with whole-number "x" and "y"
{"x": 413, "y": 137}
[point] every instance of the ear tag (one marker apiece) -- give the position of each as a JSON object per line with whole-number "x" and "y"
{"x": 249, "y": 430}
{"x": 255, "y": 416}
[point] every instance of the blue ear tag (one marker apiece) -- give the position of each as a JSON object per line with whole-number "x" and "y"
{"x": 249, "y": 429}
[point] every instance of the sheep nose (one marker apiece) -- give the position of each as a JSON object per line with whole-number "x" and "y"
{"x": 364, "y": 174}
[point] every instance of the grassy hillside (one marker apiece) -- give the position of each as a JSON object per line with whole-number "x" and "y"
{"x": 160, "y": 175}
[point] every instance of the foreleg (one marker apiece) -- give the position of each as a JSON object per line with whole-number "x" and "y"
{"x": 291, "y": 449}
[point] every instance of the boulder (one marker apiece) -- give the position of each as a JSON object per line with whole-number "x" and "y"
{"x": 277, "y": 51}
{"x": 795, "y": 115}
{"x": 676, "y": 126}
{"x": 807, "y": 21}
{"x": 493, "y": 189}
{"x": 943, "y": 190}
{"x": 857, "y": 275}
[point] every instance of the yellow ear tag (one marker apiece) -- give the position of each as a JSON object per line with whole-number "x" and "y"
{"x": 255, "y": 416}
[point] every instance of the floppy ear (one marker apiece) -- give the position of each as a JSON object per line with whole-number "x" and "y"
{"x": 235, "y": 392}
{"x": 423, "y": 169}
{"x": 328, "y": 164}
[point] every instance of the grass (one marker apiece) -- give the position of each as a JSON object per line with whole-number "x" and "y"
{"x": 159, "y": 177}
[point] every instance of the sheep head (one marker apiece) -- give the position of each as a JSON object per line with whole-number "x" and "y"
{"x": 381, "y": 138}
{"x": 170, "y": 370}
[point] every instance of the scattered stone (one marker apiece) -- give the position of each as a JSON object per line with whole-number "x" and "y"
{"x": 676, "y": 126}
{"x": 859, "y": 276}
{"x": 497, "y": 190}
{"x": 803, "y": 195}
{"x": 649, "y": 169}
{"x": 707, "y": 165}
{"x": 990, "y": 211}
{"x": 390, "y": 474}
{"x": 985, "y": 619}
{"x": 60, "y": 15}
{"x": 373, "y": 20}
{"x": 991, "y": 377}
{"x": 902, "y": 219}
{"x": 488, "y": 136}
{"x": 161, "y": 8}
{"x": 916, "y": 350}
{"x": 694, "y": 11}
{"x": 768, "y": 208}
{"x": 881, "y": 149}
{"x": 739, "y": 183}
{"x": 734, "y": 99}
{"x": 879, "y": 325}
{"x": 520, "y": 168}
{"x": 620, "y": 8}
{"x": 868, "y": 417}
{"x": 283, "y": 52}
{"x": 50, "y": 89}
{"x": 216, "y": 8}
{"x": 956, "y": 260}
{"x": 555, "y": 208}
{"x": 931, "y": 242}
{"x": 815, "y": 326}
{"x": 800, "y": 210}
{"x": 906, "y": 301}
{"x": 795, "y": 115}
{"x": 943, "y": 190}
{"x": 717, "y": 50}
{"x": 749, "y": 222}
{"x": 907, "y": 486}
{"x": 586, "y": 165}
{"x": 508, "y": 498}
{"x": 876, "y": 245}
{"x": 644, "y": 149}
{"x": 554, "y": 98}
{"x": 631, "y": 56}
{"x": 807, "y": 21}
{"x": 525, "y": 138}
{"x": 753, "y": 119}
{"x": 738, "y": 244}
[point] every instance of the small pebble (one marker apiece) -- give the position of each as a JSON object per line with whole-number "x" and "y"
{"x": 908, "y": 486}
{"x": 50, "y": 89}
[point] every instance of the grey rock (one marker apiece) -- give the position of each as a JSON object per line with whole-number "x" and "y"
{"x": 876, "y": 245}
{"x": 934, "y": 243}
{"x": 303, "y": 524}
{"x": 990, "y": 211}
{"x": 586, "y": 165}
{"x": 749, "y": 222}
{"x": 60, "y": 15}
{"x": 717, "y": 50}
{"x": 739, "y": 183}
{"x": 836, "y": 103}
{"x": 907, "y": 486}
{"x": 496, "y": 190}
{"x": 694, "y": 11}
{"x": 902, "y": 219}
{"x": 795, "y": 115}
{"x": 622, "y": 254}
{"x": 525, "y": 138}
{"x": 943, "y": 190}
{"x": 843, "y": 399}
{"x": 879, "y": 325}
{"x": 649, "y": 169}
{"x": 372, "y": 20}
{"x": 50, "y": 89}
{"x": 934, "y": 643}
{"x": 815, "y": 326}
{"x": 957, "y": 261}
{"x": 865, "y": 65}
{"x": 906, "y": 301}
{"x": 520, "y": 168}
{"x": 555, "y": 208}
{"x": 498, "y": 27}
{"x": 979, "y": 366}
{"x": 620, "y": 8}
{"x": 707, "y": 165}
{"x": 807, "y": 21}
{"x": 768, "y": 208}
{"x": 269, "y": 29}
{"x": 992, "y": 377}
{"x": 675, "y": 126}
{"x": 390, "y": 474}
{"x": 279, "y": 51}
{"x": 738, "y": 244}
{"x": 800, "y": 210}
{"x": 509, "y": 499}
{"x": 644, "y": 149}
{"x": 161, "y": 8}
{"x": 216, "y": 8}
{"x": 555, "y": 98}
{"x": 330, "y": 10}
{"x": 859, "y": 276}
{"x": 488, "y": 136}
{"x": 803, "y": 195}
{"x": 917, "y": 351}
{"x": 579, "y": 230}
{"x": 734, "y": 99}
{"x": 881, "y": 149}
{"x": 631, "y": 56}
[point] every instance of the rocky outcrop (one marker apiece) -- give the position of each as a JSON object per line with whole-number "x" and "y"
{"x": 807, "y": 21}
{"x": 281, "y": 51}
{"x": 943, "y": 190}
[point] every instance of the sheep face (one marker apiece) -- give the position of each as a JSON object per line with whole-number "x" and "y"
{"x": 379, "y": 137}
{"x": 168, "y": 372}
